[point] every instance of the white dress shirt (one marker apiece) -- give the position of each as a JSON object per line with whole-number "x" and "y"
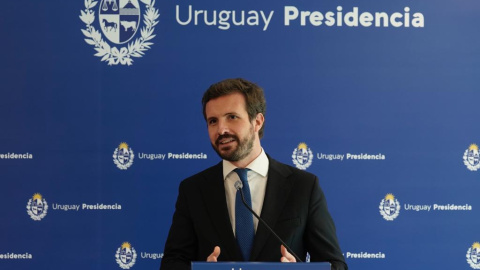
{"x": 257, "y": 180}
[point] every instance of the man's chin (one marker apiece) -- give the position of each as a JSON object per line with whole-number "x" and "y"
{"x": 227, "y": 155}
{"x": 224, "y": 152}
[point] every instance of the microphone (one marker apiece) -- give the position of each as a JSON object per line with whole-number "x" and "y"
{"x": 239, "y": 186}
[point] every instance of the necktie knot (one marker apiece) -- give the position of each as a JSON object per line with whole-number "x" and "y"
{"x": 243, "y": 174}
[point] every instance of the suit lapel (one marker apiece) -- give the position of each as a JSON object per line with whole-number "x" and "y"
{"x": 213, "y": 193}
{"x": 277, "y": 191}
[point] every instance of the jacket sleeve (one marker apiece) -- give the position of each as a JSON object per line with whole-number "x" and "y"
{"x": 320, "y": 236}
{"x": 181, "y": 245}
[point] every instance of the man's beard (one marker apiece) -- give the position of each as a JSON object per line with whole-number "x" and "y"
{"x": 243, "y": 149}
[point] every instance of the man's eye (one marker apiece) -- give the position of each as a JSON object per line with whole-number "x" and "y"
{"x": 232, "y": 116}
{"x": 212, "y": 121}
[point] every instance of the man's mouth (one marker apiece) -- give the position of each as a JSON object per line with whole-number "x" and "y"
{"x": 225, "y": 140}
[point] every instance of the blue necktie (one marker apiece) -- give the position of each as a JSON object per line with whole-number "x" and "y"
{"x": 244, "y": 229}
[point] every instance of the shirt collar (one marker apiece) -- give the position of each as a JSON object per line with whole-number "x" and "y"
{"x": 258, "y": 165}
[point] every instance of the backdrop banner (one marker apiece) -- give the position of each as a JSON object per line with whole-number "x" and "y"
{"x": 101, "y": 119}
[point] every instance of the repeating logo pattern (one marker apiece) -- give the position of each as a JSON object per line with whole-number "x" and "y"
{"x": 123, "y": 156}
{"x": 119, "y": 21}
{"x": 302, "y": 156}
{"x": 473, "y": 256}
{"x": 37, "y": 207}
{"x": 471, "y": 158}
{"x": 126, "y": 256}
{"x": 389, "y": 207}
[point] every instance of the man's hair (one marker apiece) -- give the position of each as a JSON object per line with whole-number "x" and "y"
{"x": 254, "y": 98}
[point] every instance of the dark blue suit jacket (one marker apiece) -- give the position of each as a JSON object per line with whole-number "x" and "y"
{"x": 294, "y": 206}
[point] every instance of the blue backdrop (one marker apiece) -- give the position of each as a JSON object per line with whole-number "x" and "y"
{"x": 101, "y": 119}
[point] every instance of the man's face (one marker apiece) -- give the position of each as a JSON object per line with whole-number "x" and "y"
{"x": 231, "y": 133}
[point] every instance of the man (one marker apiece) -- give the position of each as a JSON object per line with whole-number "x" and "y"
{"x": 208, "y": 222}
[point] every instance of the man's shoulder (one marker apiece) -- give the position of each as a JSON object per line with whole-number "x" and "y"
{"x": 288, "y": 170}
{"x": 209, "y": 173}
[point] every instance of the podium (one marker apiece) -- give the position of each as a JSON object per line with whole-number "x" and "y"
{"x": 259, "y": 266}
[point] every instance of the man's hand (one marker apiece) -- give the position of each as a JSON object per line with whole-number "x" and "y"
{"x": 286, "y": 256}
{"x": 213, "y": 257}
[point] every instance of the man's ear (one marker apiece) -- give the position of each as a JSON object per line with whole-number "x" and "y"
{"x": 258, "y": 121}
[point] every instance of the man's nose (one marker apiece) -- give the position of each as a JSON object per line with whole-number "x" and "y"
{"x": 222, "y": 128}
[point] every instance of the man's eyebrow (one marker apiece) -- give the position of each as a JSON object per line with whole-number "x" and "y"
{"x": 225, "y": 114}
{"x": 211, "y": 117}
